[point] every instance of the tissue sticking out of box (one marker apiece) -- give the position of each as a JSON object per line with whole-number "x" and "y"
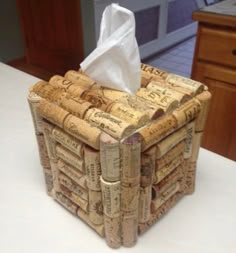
{"x": 115, "y": 63}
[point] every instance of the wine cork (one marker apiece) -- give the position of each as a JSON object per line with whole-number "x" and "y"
{"x": 83, "y": 204}
{"x": 154, "y": 74}
{"x": 51, "y": 94}
{"x": 44, "y": 90}
{"x": 173, "y": 79}
{"x": 152, "y": 110}
{"x": 145, "y": 203}
{"x": 185, "y": 167}
{"x": 92, "y": 168}
{"x": 76, "y": 91}
{"x": 175, "y": 187}
{"x": 160, "y": 89}
{"x": 128, "y": 114}
{"x": 55, "y": 175}
{"x": 98, "y": 100}
{"x": 182, "y": 89}
{"x": 145, "y": 79}
{"x": 72, "y": 173}
{"x": 167, "y": 169}
{"x": 114, "y": 95}
{"x": 85, "y": 217}
{"x": 68, "y": 141}
{"x": 188, "y": 93}
{"x": 111, "y": 198}
{"x": 161, "y": 211}
{"x": 110, "y": 158}
{"x": 76, "y": 106}
{"x": 95, "y": 207}
{"x": 52, "y": 113}
{"x": 80, "y": 79}
{"x": 43, "y": 154}
{"x": 130, "y": 153}
{"x": 33, "y": 100}
{"x": 133, "y": 108}
{"x": 110, "y": 124}
{"x": 165, "y": 207}
{"x": 197, "y": 138}
{"x": 48, "y": 181}
{"x": 205, "y": 99}
{"x": 190, "y": 177}
{"x": 129, "y": 228}
{"x": 72, "y": 186}
{"x": 129, "y": 197}
{"x": 187, "y": 112}
{"x": 176, "y": 80}
{"x": 170, "y": 141}
{"x": 113, "y": 231}
{"x": 189, "y": 140}
{"x": 49, "y": 141}
{"x": 58, "y": 81}
{"x": 170, "y": 155}
{"x": 157, "y": 130}
{"x": 148, "y": 166}
{"x": 68, "y": 86}
{"x": 64, "y": 201}
{"x": 70, "y": 158}
{"x": 164, "y": 101}
{"x": 152, "y": 71}
{"x": 38, "y": 86}
{"x": 82, "y": 130}
{"x": 174, "y": 176}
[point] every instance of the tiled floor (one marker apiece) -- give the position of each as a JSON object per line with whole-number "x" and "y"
{"x": 177, "y": 60}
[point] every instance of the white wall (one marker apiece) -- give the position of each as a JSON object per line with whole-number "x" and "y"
{"x": 11, "y": 43}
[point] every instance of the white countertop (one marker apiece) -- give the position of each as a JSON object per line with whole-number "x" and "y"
{"x": 31, "y": 222}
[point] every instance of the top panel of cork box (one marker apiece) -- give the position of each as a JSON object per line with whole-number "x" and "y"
{"x": 85, "y": 109}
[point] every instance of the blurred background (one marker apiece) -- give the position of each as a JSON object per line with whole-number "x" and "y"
{"x": 51, "y": 36}
{"x": 47, "y": 37}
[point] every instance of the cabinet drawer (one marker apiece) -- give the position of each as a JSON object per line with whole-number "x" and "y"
{"x": 217, "y": 46}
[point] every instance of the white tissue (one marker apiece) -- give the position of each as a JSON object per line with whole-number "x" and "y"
{"x": 116, "y": 61}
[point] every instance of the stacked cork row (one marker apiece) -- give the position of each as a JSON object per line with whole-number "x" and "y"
{"x": 119, "y": 161}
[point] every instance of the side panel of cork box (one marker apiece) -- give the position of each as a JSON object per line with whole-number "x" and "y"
{"x": 170, "y": 149}
{"x": 73, "y": 166}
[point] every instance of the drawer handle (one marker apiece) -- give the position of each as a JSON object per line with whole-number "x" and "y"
{"x": 234, "y": 52}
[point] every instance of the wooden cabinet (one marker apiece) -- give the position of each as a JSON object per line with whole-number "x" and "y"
{"x": 52, "y": 33}
{"x": 215, "y": 65}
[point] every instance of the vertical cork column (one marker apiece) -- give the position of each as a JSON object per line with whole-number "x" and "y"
{"x": 130, "y": 188}
{"x": 51, "y": 175}
{"x": 93, "y": 172}
{"x": 110, "y": 183}
{"x": 148, "y": 166}
{"x": 190, "y": 164}
{"x": 33, "y": 100}
{"x": 193, "y": 141}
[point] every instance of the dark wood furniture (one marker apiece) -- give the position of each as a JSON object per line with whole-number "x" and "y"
{"x": 215, "y": 65}
{"x": 52, "y": 33}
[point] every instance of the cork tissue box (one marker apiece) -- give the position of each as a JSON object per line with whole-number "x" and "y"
{"x": 119, "y": 162}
